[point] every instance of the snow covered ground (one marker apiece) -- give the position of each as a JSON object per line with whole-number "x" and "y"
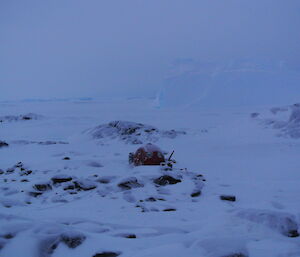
{"x": 74, "y": 194}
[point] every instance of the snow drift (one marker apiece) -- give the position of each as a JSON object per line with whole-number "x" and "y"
{"x": 235, "y": 83}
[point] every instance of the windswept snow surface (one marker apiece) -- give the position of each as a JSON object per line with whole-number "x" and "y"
{"x": 79, "y": 196}
{"x": 193, "y": 83}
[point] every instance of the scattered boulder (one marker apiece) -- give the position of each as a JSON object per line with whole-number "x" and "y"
{"x": 147, "y": 155}
{"x": 61, "y": 179}
{"x": 196, "y": 194}
{"x": 130, "y": 183}
{"x": 166, "y": 180}
{"x": 230, "y": 198}
{"x": 69, "y": 186}
{"x": 292, "y": 233}
{"x": 24, "y": 172}
{"x": 150, "y": 199}
{"x": 24, "y": 117}
{"x": 107, "y": 254}
{"x": 19, "y": 165}
{"x": 169, "y": 209}
{"x": 130, "y": 236}
{"x": 49, "y": 142}
{"x": 8, "y": 236}
{"x": 50, "y": 243}
{"x": 35, "y": 194}
{"x": 84, "y": 184}
{"x": 42, "y": 187}
{"x": 10, "y": 170}
{"x": 72, "y": 239}
{"x": 3, "y": 144}
{"x": 236, "y": 255}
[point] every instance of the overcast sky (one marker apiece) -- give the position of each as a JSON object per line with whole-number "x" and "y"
{"x": 71, "y": 48}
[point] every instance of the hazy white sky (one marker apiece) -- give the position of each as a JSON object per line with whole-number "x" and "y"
{"x": 70, "y": 48}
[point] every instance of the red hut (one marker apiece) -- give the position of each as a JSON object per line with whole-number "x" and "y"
{"x": 147, "y": 155}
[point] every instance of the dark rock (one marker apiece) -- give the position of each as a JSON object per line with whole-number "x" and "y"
{"x": 84, "y": 185}
{"x": 26, "y": 118}
{"x": 230, "y": 198}
{"x": 131, "y": 158}
{"x": 169, "y": 209}
{"x": 42, "y": 187}
{"x": 1, "y": 172}
{"x": 236, "y": 255}
{"x": 10, "y": 170}
{"x": 69, "y": 187}
{"x": 292, "y": 233}
{"x": 66, "y": 158}
{"x": 166, "y": 180}
{"x": 19, "y": 165}
{"x": 130, "y": 236}
{"x": 8, "y": 236}
{"x": 25, "y": 172}
{"x": 72, "y": 240}
{"x": 168, "y": 165}
{"x": 3, "y": 144}
{"x": 35, "y": 194}
{"x": 48, "y": 245}
{"x": 48, "y": 142}
{"x": 196, "y": 194}
{"x": 107, "y": 254}
{"x": 130, "y": 183}
{"x": 11, "y": 118}
{"x": 150, "y": 199}
{"x": 61, "y": 179}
